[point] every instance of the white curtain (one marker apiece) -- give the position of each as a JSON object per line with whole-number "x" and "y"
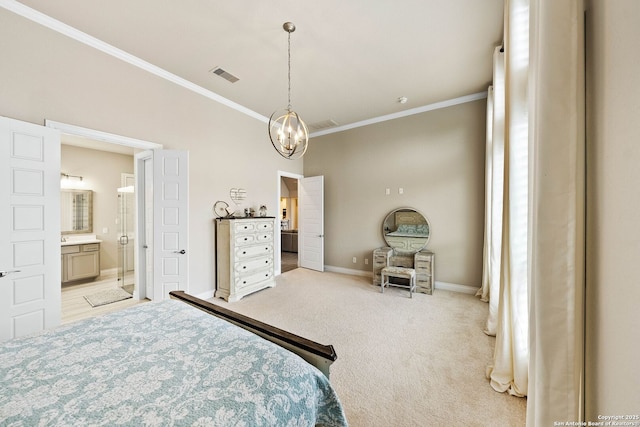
{"x": 494, "y": 188}
{"x": 534, "y": 231}
{"x": 557, "y": 209}
{"x": 505, "y": 273}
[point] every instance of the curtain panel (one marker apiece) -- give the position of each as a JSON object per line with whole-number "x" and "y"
{"x": 508, "y": 286}
{"x": 557, "y": 212}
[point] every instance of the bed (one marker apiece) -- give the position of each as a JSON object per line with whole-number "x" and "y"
{"x": 178, "y": 362}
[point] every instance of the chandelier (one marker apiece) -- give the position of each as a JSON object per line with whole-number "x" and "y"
{"x": 288, "y": 133}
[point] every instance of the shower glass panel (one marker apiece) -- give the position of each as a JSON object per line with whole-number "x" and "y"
{"x": 126, "y": 236}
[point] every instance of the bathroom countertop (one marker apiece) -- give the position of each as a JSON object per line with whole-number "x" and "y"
{"x": 80, "y": 240}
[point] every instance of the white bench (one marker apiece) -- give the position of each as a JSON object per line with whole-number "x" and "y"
{"x": 399, "y": 272}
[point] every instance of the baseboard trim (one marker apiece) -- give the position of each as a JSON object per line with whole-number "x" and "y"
{"x": 454, "y": 287}
{"x": 108, "y": 272}
{"x": 445, "y": 286}
{"x": 205, "y": 295}
{"x": 348, "y": 271}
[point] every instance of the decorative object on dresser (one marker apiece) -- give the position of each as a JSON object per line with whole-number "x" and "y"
{"x": 406, "y": 232}
{"x": 221, "y": 209}
{"x": 244, "y": 256}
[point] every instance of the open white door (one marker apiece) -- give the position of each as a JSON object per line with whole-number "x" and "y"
{"x": 170, "y": 222}
{"x": 311, "y": 222}
{"x": 29, "y": 228}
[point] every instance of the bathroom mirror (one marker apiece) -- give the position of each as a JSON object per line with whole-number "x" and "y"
{"x": 76, "y": 211}
{"x": 406, "y": 230}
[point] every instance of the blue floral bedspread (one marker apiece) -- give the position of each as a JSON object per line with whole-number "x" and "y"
{"x": 159, "y": 364}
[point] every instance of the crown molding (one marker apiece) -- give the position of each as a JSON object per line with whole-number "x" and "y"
{"x": 69, "y": 31}
{"x": 405, "y": 113}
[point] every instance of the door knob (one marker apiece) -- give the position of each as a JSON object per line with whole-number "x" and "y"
{"x": 180, "y": 252}
{"x": 5, "y": 272}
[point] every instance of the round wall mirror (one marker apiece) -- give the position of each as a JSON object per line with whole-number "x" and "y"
{"x": 406, "y": 230}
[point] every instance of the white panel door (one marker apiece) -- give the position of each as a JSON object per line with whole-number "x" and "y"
{"x": 171, "y": 222}
{"x": 311, "y": 222}
{"x": 29, "y": 228}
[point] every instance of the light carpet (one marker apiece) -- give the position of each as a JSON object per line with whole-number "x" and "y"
{"x": 401, "y": 361}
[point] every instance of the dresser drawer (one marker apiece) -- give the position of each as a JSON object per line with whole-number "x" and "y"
{"x": 264, "y": 226}
{"x": 252, "y": 251}
{"x": 253, "y": 278}
{"x": 245, "y": 239}
{"x": 253, "y": 264}
{"x": 264, "y": 237}
{"x": 423, "y": 277}
{"x": 244, "y": 227}
{"x": 380, "y": 259}
{"x": 424, "y": 266}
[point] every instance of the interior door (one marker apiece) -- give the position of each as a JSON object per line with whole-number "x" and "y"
{"x": 126, "y": 232}
{"x": 29, "y": 228}
{"x": 171, "y": 220}
{"x": 311, "y": 220}
{"x": 144, "y": 225}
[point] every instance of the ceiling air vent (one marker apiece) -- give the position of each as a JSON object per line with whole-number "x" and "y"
{"x": 325, "y": 124}
{"x": 224, "y": 74}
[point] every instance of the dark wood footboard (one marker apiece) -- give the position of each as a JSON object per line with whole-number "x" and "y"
{"x": 319, "y": 355}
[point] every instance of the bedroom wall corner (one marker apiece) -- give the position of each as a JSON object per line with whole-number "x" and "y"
{"x": 437, "y": 158}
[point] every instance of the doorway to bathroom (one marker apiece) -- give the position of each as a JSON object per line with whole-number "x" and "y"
{"x": 126, "y": 232}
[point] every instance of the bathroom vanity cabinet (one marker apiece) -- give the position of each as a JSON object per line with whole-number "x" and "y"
{"x": 80, "y": 261}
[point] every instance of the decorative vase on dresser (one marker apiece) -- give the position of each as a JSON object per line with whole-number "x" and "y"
{"x": 244, "y": 256}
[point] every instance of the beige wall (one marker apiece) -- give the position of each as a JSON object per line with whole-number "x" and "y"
{"x": 436, "y": 157}
{"x": 101, "y": 172}
{"x": 45, "y": 75}
{"x": 613, "y": 209}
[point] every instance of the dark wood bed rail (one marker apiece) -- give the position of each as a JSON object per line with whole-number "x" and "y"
{"x": 323, "y": 351}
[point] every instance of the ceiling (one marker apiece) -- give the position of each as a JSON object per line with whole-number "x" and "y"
{"x": 351, "y": 60}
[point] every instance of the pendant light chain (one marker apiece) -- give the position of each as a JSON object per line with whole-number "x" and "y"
{"x": 289, "y": 63}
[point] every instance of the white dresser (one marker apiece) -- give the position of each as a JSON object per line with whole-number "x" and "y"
{"x": 244, "y": 255}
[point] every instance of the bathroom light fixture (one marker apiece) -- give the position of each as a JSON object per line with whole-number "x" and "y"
{"x": 71, "y": 177}
{"x": 287, "y": 131}
{"x": 68, "y": 181}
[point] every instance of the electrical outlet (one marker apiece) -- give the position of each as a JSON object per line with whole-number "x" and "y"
{"x": 387, "y": 191}
{"x": 400, "y": 190}
{"x": 354, "y": 260}
{"x": 105, "y": 230}
{"x": 366, "y": 261}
